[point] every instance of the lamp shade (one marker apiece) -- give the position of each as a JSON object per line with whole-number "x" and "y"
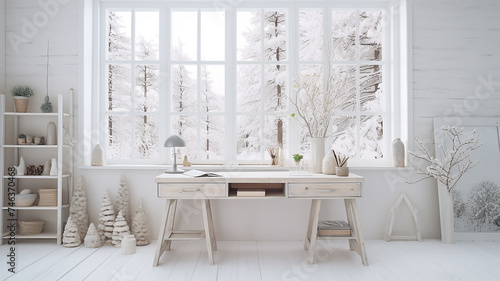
{"x": 174, "y": 141}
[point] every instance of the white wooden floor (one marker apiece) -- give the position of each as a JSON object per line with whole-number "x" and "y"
{"x": 259, "y": 260}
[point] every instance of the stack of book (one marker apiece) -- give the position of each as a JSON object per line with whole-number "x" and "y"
{"x": 48, "y": 197}
{"x": 334, "y": 228}
{"x": 251, "y": 192}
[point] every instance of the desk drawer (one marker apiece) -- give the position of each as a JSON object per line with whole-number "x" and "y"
{"x": 324, "y": 190}
{"x": 191, "y": 190}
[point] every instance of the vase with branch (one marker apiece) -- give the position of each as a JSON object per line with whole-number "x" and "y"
{"x": 447, "y": 167}
{"x": 47, "y": 104}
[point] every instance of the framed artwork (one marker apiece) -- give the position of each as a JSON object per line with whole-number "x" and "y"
{"x": 471, "y": 211}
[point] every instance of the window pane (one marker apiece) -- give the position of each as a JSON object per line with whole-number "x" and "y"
{"x": 248, "y": 138}
{"x": 212, "y": 137}
{"x": 212, "y": 88}
{"x": 249, "y": 88}
{"x": 310, "y": 35}
{"x": 118, "y": 35}
{"x": 185, "y": 127}
{"x": 119, "y": 91}
{"x": 343, "y": 34}
{"x": 249, "y": 35}
{"x": 275, "y": 91}
{"x": 146, "y": 137}
{"x": 147, "y": 88}
{"x": 147, "y": 26}
{"x": 212, "y": 36}
{"x": 343, "y": 84}
{"x": 119, "y": 137}
{"x": 370, "y": 35}
{"x": 275, "y": 35}
{"x": 184, "y": 97}
{"x": 344, "y": 140}
{"x": 371, "y": 141}
{"x": 184, "y": 35}
{"x": 372, "y": 98}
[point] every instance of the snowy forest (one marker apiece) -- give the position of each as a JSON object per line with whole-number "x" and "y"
{"x": 197, "y": 95}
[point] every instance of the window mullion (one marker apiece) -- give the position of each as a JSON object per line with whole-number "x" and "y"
{"x": 132, "y": 84}
{"x": 230, "y": 88}
{"x": 198, "y": 86}
{"x": 358, "y": 85}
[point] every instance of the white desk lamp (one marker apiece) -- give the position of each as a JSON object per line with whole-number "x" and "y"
{"x": 174, "y": 141}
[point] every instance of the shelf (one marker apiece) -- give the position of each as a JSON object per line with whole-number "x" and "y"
{"x": 32, "y": 236}
{"x": 186, "y": 235}
{"x": 36, "y": 177}
{"x": 39, "y": 114}
{"x": 28, "y": 146}
{"x": 39, "y": 208}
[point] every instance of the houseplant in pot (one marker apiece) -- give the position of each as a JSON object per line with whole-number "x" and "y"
{"x": 21, "y": 97}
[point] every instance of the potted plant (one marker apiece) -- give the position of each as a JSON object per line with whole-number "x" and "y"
{"x": 21, "y": 139}
{"x": 21, "y": 97}
{"x": 297, "y": 157}
{"x": 341, "y": 161}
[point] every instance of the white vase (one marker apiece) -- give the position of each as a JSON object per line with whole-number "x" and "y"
{"x": 446, "y": 215}
{"x": 128, "y": 245}
{"x": 51, "y": 134}
{"x": 97, "y": 156}
{"x": 53, "y": 167}
{"x": 317, "y": 152}
{"x": 46, "y": 168}
{"x": 328, "y": 166}
{"x": 21, "y": 169}
{"x": 398, "y": 153}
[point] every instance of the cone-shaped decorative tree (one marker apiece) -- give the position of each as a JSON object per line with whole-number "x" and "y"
{"x": 92, "y": 239}
{"x": 123, "y": 199}
{"x": 78, "y": 209}
{"x": 140, "y": 226}
{"x": 71, "y": 238}
{"x": 106, "y": 219}
{"x": 120, "y": 229}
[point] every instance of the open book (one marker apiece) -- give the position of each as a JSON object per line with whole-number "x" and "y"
{"x": 198, "y": 173}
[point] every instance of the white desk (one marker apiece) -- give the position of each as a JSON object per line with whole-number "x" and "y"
{"x": 173, "y": 187}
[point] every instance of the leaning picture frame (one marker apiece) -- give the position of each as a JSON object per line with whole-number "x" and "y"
{"x": 471, "y": 210}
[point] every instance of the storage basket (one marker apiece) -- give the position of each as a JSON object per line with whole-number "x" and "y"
{"x": 30, "y": 227}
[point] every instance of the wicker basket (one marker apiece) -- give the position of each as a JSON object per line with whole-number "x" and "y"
{"x": 30, "y": 227}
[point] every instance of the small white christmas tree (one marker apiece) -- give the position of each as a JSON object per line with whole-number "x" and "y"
{"x": 120, "y": 229}
{"x": 78, "y": 209}
{"x": 106, "y": 219}
{"x": 71, "y": 238}
{"x": 123, "y": 199}
{"x": 140, "y": 226}
{"x": 92, "y": 239}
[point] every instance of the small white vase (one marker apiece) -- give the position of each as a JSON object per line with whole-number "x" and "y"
{"x": 53, "y": 167}
{"x": 21, "y": 169}
{"x": 317, "y": 153}
{"x": 398, "y": 153}
{"x": 328, "y": 166}
{"x": 128, "y": 245}
{"x": 51, "y": 138}
{"x": 46, "y": 168}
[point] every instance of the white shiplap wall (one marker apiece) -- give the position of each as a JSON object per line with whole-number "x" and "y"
{"x": 455, "y": 42}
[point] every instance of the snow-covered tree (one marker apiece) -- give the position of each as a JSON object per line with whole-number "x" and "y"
{"x": 78, "y": 208}
{"x": 484, "y": 202}
{"x": 140, "y": 226}
{"x": 120, "y": 229}
{"x": 123, "y": 199}
{"x": 71, "y": 238}
{"x": 106, "y": 219}
{"x": 212, "y": 127}
{"x": 92, "y": 239}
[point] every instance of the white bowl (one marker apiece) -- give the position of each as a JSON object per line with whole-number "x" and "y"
{"x": 24, "y": 200}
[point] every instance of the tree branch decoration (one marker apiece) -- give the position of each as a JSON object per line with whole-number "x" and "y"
{"x": 456, "y": 161}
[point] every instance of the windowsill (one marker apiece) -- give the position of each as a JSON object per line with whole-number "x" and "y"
{"x": 219, "y": 168}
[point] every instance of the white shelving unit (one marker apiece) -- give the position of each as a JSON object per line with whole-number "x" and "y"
{"x": 64, "y": 180}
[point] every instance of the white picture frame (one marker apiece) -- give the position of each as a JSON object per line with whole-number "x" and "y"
{"x": 460, "y": 218}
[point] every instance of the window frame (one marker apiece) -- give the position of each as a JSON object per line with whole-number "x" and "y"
{"x": 393, "y": 72}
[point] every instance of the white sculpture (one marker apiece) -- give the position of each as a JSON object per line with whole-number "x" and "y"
{"x": 53, "y": 167}
{"x": 21, "y": 169}
{"x": 51, "y": 134}
{"x": 92, "y": 239}
{"x": 78, "y": 208}
{"x": 71, "y": 238}
{"x": 106, "y": 219}
{"x": 123, "y": 199}
{"x": 140, "y": 226}
{"x": 120, "y": 229}
{"x": 97, "y": 156}
{"x": 46, "y": 168}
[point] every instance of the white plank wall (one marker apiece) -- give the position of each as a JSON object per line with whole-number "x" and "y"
{"x": 454, "y": 43}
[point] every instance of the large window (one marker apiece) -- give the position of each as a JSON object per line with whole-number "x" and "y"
{"x": 223, "y": 78}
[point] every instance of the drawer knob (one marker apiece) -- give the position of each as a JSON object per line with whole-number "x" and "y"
{"x": 190, "y": 189}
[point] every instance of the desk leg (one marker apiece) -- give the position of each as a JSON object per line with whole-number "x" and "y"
{"x": 211, "y": 226}
{"x": 160, "y": 246}
{"x": 208, "y": 233}
{"x": 170, "y": 222}
{"x": 353, "y": 218}
{"x": 312, "y": 232}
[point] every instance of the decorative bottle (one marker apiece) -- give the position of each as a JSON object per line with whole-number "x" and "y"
{"x": 51, "y": 134}
{"x": 398, "y": 153}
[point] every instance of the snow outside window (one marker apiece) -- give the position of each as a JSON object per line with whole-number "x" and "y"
{"x": 223, "y": 79}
